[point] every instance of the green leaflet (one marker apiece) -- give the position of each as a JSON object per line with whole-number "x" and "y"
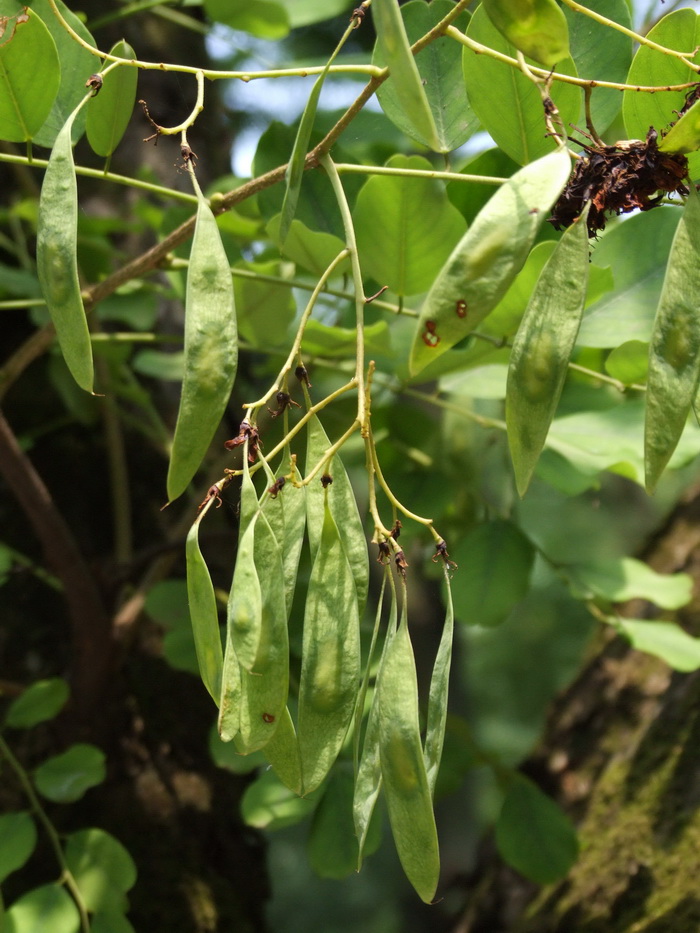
{"x": 684, "y": 136}
{"x": 537, "y": 28}
{"x": 108, "y": 112}
{"x": 17, "y": 841}
{"x": 665, "y": 640}
{"x": 533, "y": 835}
{"x": 439, "y": 66}
{"x": 674, "y": 351}
{"x": 211, "y": 351}
{"x": 509, "y": 105}
{"x": 439, "y": 688}
{"x": 404, "y": 777}
{"x": 406, "y": 228}
{"x": 330, "y": 667}
{"x": 56, "y": 259}
{"x": 488, "y": 257}
{"x": 368, "y": 776}
{"x": 341, "y": 500}
{"x": 396, "y": 52}
{"x": 30, "y": 74}
{"x": 679, "y": 30}
{"x": 204, "y": 615}
{"x": 542, "y": 348}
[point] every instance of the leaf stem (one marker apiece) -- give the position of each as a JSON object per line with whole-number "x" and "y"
{"x": 348, "y": 168}
{"x": 66, "y": 874}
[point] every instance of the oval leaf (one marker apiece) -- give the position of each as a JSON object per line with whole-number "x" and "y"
{"x": 268, "y": 804}
{"x": 30, "y": 73}
{"x": 17, "y": 841}
{"x": 509, "y": 105}
{"x": 109, "y": 111}
{"x": 487, "y": 258}
{"x": 665, "y": 640}
{"x": 406, "y": 228}
{"x": 103, "y": 869}
{"x": 43, "y": 700}
{"x": 332, "y": 843}
{"x": 211, "y": 351}
{"x": 542, "y": 348}
{"x": 533, "y": 835}
{"x": 65, "y": 777}
{"x": 44, "y": 907}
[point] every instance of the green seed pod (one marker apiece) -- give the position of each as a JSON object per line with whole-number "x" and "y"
{"x": 674, "y": 350}
{"x": 488, "y": 257}
{"x": 538, "y": 28}
{"x": 542, "y": 348}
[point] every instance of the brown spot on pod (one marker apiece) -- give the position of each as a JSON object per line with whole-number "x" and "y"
{"x": 461, "y": 308}
{"x": 429, "y": 337}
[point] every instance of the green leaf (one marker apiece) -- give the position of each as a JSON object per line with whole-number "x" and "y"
{"x": 17, "y": 841}
{"x": 533, "y": 835}
{"x": 339, "y": 342}
{"x": 406, "y": 227}
{"x": 665, "y": 640}
{"x": 625, "y": 578}
{"x": 508, "y": 105}
{"x": 211, "y": 351}
{"x": 307, "y": 248}
{"x": 468, "y": 197}
{"x": 601, "y": 51}
{"x": 109, "y": 111}
{"x": 29, "y": 76}
{"x": 537, "y": 28}
{"x": 306, "y": 12}
{"x": 495, "y": 561}
{"x": 103, "y": 869}
{"x": 439, "y": 690}
{"x": 330, "y": 666}
{"x": 260, "y": 18}
{"x": 487, "y": 259}
{"x": 48, "y": 907}
{"x": 56, "y": 258}
{"x": 680, "y": 31}
{"x": 110, "y": 922}
{"x": 629, "y": 362}
{"x": 41, "y": 701}
{"x": 542, "y": 349}
{"x": 268, "y": 804}
{"x": 343, "y": 506}
{"x": 76, "y": 65}
{"x": 627, "y": 312}
{"x": 684, "y": 136}
{"x": 332, "y": 845}
{"x": 204, "y": 615}
{"x": 225, "y": 755}
{"x": 404, "y": 777}
{"x": 439, "y": 66}
{"x": 395, "y": 52}
{"x": 66, "y": 777}
{"x": 674, "y": 351}
{"x": 265, "y": 309}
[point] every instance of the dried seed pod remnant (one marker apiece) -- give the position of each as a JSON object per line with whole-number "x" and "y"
{"x": 617, "y": 179}
{"x": 247, "y": 432}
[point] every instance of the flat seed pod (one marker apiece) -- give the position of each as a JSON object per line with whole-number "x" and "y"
{"x": 488, "y": 257}
{"x": 674, "y": 351}
{"x": 330, "y": 667}
{"x": 56, "y": 257}
{"x": 211, "y": 351}
{"x": 245, "y": 603}
{"x": 404, "y": 777}
{"x": 108, "y": 112}
{"x": 204, "y": 615}
{"x": 368, "y": 780}
{"x": 439, "y": 689}
{"x": 282, "y": 751}
{"x": 542, "y": 348}
{"x": 538, "y": 28}
{"x": 341, "y": 501}
{"x": 230, "y": 704}
{"x": 286, "y": 513}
